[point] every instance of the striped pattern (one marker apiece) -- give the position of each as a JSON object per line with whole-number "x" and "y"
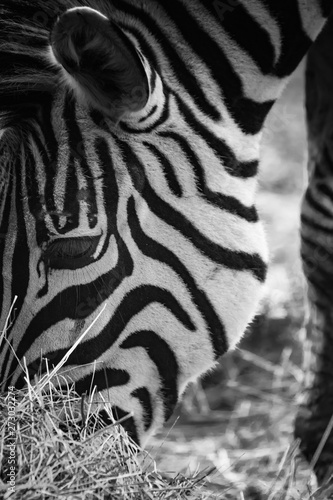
{"x": 317, "y": 243}
{"x": 129, "y": 180}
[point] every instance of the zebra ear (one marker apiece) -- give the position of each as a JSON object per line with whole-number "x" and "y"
{"x": 99, "y": 62}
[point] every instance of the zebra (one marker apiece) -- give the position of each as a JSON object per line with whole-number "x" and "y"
{"x": 130, "y": 139}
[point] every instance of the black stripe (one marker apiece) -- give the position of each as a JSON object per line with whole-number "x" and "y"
{"x": 165, "y": 360}
{"x": 145, "y": 44}
{"x": 105, "y": 378}
{"x": 248, "y": 114}
{"x": 81, "y": 300}
{"x": 3, "y": 232}
{"x": 162, "y": 119}
{"x": 156, "y": 251}
{"x": 48, "y": 148}
{"x": 179, "y": 66}
{"x": 102, "y": 379}
{"x": 75, "y": 302}
{"x": 151, "y": 112}
{"x": 326, "y": 190}
{"x": 21, "y": 254}
{"x": 45, "y": 142}
{"x": 152, "y": 81}
{"x": 133, "y": 303}
{"x": 315, "y": 204}
{"x": 35, "y": 205}
{"x": 110, "y": 194}
{"x": 220, "y": 200}
{"x": 168, "y": 168}
{"x": 227, "y": 157}
{"x": 307, "y": 222}
{"x": 142, "y": 394}
{"x": 294, "y": 41}
{"x": 77, "y": 152}
{"x": 246, "y": 32}
{"x": 237, "y": 260}
{"x": 4, "y": 224}
{"x": 20, "y": 263}
{"x": 99, "y": 120}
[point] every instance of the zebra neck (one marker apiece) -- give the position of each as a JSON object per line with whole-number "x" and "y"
{"x": 245, "y": 58}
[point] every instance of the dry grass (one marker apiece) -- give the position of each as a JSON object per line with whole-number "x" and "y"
{"x": 55, "y": 456}
{"x": 247, "y": 453}
{"x": 251, "y": 445}
{"x": 53, "y": 445}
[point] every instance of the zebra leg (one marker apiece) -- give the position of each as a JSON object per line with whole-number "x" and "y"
{"x": 315, "y": 413}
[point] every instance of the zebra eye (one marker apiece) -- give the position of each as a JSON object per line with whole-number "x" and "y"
{"x": 70, "y": 253}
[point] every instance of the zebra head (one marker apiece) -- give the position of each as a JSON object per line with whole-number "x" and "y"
{"x": 123, "y": 205}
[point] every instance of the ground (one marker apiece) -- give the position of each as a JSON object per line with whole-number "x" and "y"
{"x": 240, "y": 418}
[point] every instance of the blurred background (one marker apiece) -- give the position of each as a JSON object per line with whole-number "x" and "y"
{"x": 239, "y": 419}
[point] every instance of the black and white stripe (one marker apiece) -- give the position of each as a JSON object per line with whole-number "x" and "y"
{"x": 129, "y": 182}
